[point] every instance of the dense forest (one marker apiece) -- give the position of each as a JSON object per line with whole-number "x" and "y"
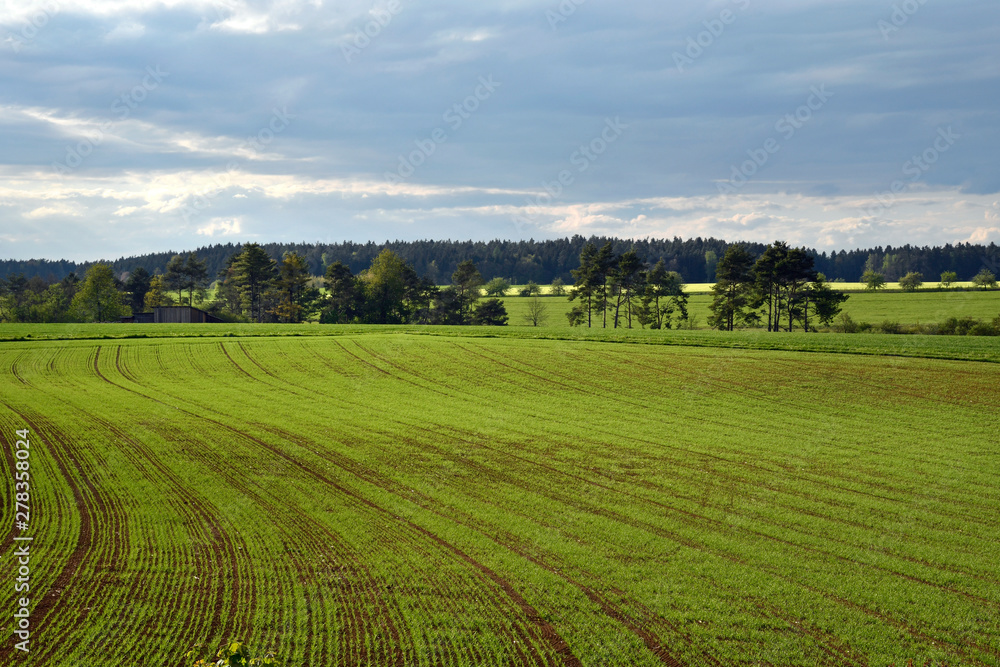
{"x": 543, "y": 261}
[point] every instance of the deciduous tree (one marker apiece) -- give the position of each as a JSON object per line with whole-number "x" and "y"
{"x": 99, "y": 298}
{"x": 497, "y": 288}
{"x": 985, "y": 280}
{"x": 538, "y": 312}
{"x": 911, "y": 282}
{"x": 873, "y": 280}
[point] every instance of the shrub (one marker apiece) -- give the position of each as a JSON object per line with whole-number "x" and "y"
{"x": 531, "y": 289}
{"x": 983, "y": 329}
{"x": 954, "y": 326}
{"x": 890, "y": 327}
{"x": 236, "y": 654}
{"x": 848, "y": 325}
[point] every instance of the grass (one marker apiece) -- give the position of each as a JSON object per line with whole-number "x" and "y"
{"x": 920, "y": 307}
{"x": 374, "y": 496}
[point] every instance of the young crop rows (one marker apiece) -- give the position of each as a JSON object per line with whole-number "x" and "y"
{"x": 393, "y": 499}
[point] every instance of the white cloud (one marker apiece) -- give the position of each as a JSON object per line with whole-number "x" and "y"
{"x": 221, "y": 227}
{"x": 126, "y": 31}
{"x": 61, "y": 209}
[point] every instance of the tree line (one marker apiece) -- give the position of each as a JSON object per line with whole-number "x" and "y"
{"x": 544, "y": 261}
{"x": 254, "y": 287}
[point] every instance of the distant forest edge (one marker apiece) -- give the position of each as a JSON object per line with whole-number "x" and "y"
{"x": 543, "y": 261}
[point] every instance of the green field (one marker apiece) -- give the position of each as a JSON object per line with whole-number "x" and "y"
{"x": 466, "y": 496}
{"x": 921, "y": 307}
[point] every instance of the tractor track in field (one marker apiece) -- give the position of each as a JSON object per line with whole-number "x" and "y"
{"x": 670, "y": 535}
{"x": 825, "y": 517}
{"x": 878, "y": 567}
{"x": 533, "y": 616}
{"x": 652, "y": 641}
{"x": 812, "y": 408}
{"x": 196, "y": 511}
{"x": 547, "y": 632}
{"x": 385, "y": 372}
{"x": 694, "y": 467}
{"x": 700, "y": 520}
{"x": 95, "y": 512}
{"x": 897, "y": 388}
{"x": 510, "y": 591}
{"x": 833, "y": 646}
{"x": 525, "y": 639}
{"x": 951, "y": 515}
{"x": 178, "y": 500}
{"x": 192, "y": 507}
{"x": 726, "y": 385}
{"x": 354, "y": 645}
{"x": 355, "y": 637}
{"x": 696, "y": 520}
{"x": 190, "y": 504}
{"x": 489, "y": 591}
{"x": 302, "y": 534}
{"x": 432, "y": 537}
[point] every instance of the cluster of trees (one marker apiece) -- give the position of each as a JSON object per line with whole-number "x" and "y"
{"x": 781, "y": 282}
{"x": 912, "y": 281}
{"x": 622, "y": 286}
{"x": 544, "y": 261}
{"x": 37, "y": 300}
{"x": 254, "y": 287}
{"x": 100, "y": 297}
{"x": 390, "y": 292}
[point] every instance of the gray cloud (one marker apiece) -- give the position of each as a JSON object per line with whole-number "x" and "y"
{"x": 231, "y": 64}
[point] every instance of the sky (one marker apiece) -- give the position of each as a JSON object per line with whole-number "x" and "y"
{"x": 135, "y": 126}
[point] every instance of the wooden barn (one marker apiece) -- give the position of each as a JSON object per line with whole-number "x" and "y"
{"x": 183, "y": 315}
{"x": 173, "y": 315}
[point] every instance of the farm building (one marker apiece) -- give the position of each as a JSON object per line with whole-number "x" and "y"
{"x": 173, "y": 315}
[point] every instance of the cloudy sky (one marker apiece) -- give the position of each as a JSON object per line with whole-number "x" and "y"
{"x": 131, "y": 126}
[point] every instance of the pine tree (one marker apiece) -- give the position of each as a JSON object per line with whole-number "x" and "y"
{"x": 733, "y": 288}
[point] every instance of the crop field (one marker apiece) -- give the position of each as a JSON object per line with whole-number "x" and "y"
{"x": 921, "y": 307}
{"x": 386, "y": 497}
